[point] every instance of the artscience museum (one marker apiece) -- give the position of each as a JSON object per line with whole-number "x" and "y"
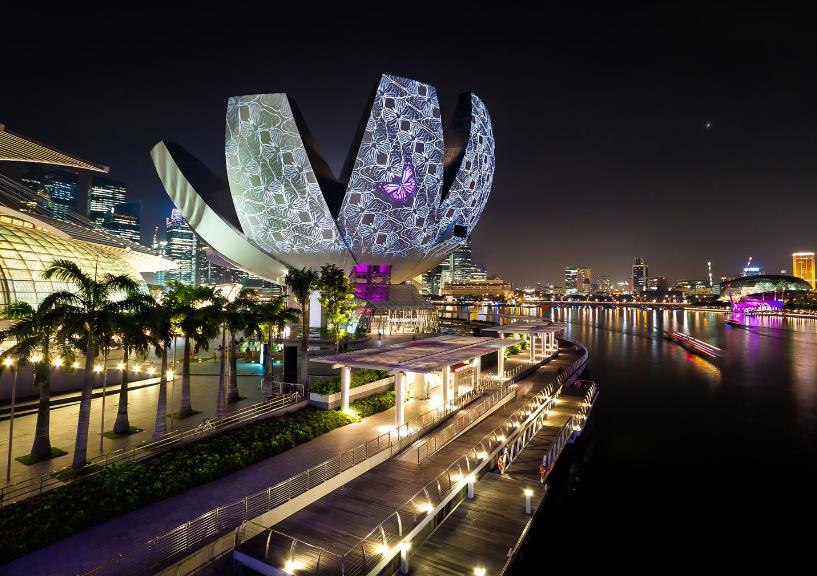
{"x": 408, "y": 194}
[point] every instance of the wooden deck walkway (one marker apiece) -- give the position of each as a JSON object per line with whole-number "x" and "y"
{"x": 485, "y": 532}
{"x": 342, "y": 518}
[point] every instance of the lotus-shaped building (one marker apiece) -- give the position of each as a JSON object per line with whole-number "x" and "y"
{"x": 406, "y": 197}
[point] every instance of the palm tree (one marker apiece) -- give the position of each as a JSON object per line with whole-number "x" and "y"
{"x": 129, "y": 325}
{"x": 86, "y": 308}
{"x": 302, "y": 282}
{"x": 159, "y": 320}
{"x": 191, "y": 316}
{"x": 36, "y": 330}
{"x": 273, "y": 314}
{"x": 239, "y": 315}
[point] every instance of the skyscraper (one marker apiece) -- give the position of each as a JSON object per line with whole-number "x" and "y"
{"x": 571, "y": 276}
{"x": 125, "y": 221}
{"x": 584, "y": 280}
{"x": 802, "y": 266}
{"x": 461, "y": 265}
{"x": 640, "y": 275}
{"x": 103, "y": 196}
{"x": 58, "y": 187}
{"x": 181, "y": 247}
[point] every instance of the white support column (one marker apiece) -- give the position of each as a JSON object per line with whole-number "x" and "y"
{"x": 500, "y": 362}
{"x": 345, "y": 385}
{"x": 532, "y": 346}
{"x": 477, "y": 371}
{"x": 446, "y": 385}
{"x": 419, "y": 385}
{"x": 400, "y": 398}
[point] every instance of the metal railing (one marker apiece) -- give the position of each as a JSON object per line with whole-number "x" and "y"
{"x": 200, "y": 530}
{"x": 37, "y": 485}
{"x": 385, "y": 538}
{"x": 437, "y": 441}
{"x": 377, "y": 547}
{"x": 197, "y": 532}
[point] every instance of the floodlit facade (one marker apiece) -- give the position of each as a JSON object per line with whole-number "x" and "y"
{"x": 738, "y": 288}
{"x": 802, "y": 266}
{"x": 33, "y": 233}
{"x": 28, "y": 245}
{"x": 405, "y": 198}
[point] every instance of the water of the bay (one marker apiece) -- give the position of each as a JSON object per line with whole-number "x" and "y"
{"x": 687, "y": 464}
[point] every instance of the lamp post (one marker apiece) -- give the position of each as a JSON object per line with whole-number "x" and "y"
{"x": 172, "y": 377}
{"x": 9, "y": 364}
{"x": 104, "y": 389}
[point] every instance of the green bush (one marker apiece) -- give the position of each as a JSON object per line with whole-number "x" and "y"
{"x": 489, "y": 360}
{"x": 359, "y": 378}
{"x": 373, "y": 404}
{"x": 41, "y": 520}
{"x": 515, "y": 349}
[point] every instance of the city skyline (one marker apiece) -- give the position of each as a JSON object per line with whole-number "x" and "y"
{"x": 710, "y": 128}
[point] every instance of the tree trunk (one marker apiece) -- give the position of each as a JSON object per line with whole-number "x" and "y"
{"x": 268, "y": 377}
{"x": 221, "y": 376}
{"x": 42, "y": 439}
{"x": 160, "y": 428}
{"x": 122, "y": 425}
{"x": 84, "y": 420}
{"x": 185, "y": 409}
{"x": 232, "y": 391}
{"x": 304, "y": 359}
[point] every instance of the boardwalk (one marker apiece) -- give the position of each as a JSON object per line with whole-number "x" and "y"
{"x": 484, "y": 532}
{"x": 339, "y": 520}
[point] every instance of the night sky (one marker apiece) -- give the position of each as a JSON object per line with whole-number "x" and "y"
{"x": 600, "y": 115}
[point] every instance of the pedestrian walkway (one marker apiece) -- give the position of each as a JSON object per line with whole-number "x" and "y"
{"x": 84, "y": 551}
{"x": 142, "y": 398}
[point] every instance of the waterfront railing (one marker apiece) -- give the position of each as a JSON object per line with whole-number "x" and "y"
{"x": 203, "y": 529}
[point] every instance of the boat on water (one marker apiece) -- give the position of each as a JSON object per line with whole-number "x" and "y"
{"x": 699, "y": 347}
{"x": 735, "y": 323}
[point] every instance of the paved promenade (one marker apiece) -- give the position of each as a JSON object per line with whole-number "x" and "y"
{"x": 89, "y": 548}
{"x": 142, "y": 397}
{"x": 342, "y": 518}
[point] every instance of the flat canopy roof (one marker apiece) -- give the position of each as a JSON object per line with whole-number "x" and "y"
{"x": 527, "y": 327}
{"x": 422, "y": 356}
{"x": 16, "y": 148}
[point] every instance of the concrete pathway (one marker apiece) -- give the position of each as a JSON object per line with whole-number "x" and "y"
{"x": 87, "y": 549}
{"x": 141, "y": 412}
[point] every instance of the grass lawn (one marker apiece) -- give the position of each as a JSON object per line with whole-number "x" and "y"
{"x": 28, "y": 460}
{"x": 114, "y": 436}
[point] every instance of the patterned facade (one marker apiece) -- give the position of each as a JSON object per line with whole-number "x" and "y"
{"x": 395, "y": 208}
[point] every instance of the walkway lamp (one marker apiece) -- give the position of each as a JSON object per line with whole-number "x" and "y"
{"x": 528, "y": 495}
{"x": 479, "y": 571}
{"x": 9, "y": 364}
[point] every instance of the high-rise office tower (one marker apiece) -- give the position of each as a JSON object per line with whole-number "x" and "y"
{"x": 584, "y": 280}
{"x": 802, "y": 266}
{"x": 181, "y": 247}
{"x": 57, "y": 187}
{"x": 103, "y": 196}
{"x": 640, "y": 275}
{"x": 571, "y": 277}
{"x": 125, "y": 220}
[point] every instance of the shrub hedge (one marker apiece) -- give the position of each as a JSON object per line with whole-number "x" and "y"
{"x": 359, "y": 378}
{"x": 43, "y": 519}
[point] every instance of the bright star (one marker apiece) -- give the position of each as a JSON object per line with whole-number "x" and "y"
{"x": 708, "y": 125}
